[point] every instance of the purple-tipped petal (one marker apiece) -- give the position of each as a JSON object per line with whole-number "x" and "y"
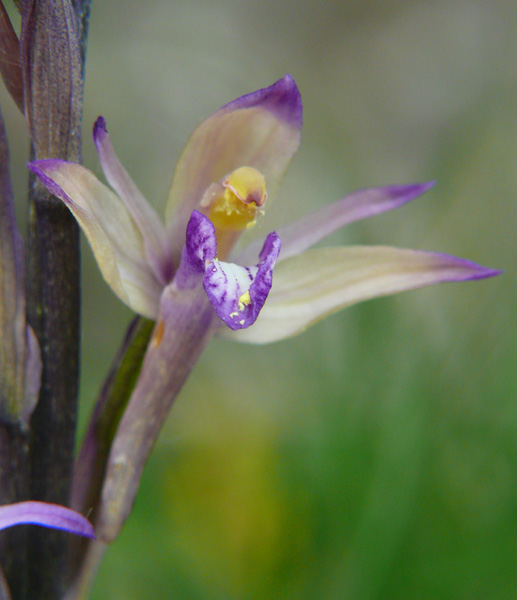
{"x": 151, "y": 228}
{"x": 312, "y": 285}
{"x": 259, "y": 130}
{"x": 116, "y": 240}
{"x": 239, "y": 293}
{"x": 46, "y": 515}
{"x": 307, "y": 231}
{"x": 282, "y": 98}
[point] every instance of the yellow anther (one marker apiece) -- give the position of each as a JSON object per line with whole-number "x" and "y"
{"x": 242, "y": 194}
{"x": 248, "y": 185}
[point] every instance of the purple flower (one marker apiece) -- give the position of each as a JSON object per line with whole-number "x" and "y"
{"x": 47, "y": 515}
{"x": 223, "y": 182}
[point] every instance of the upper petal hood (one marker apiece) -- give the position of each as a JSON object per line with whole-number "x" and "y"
{"x": 260, "y": 130}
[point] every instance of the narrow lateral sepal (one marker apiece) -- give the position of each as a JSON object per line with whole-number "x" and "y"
{"x": 321, "y": 281}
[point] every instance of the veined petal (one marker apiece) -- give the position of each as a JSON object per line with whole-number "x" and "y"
{"x": 145, "y": 217}
{"x": 47, "y": 515}
{"x": 259, "y": 130}
{"x": 116, "y": 241}
{"x": 307, "y": 231}
{"x": 319, "y": 282}
{"x": 236, "y": 293}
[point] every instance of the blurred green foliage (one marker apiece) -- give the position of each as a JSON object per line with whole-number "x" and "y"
{"x": 373, "y": 457}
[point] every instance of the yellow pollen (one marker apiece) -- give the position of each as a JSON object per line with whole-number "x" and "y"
{"x": 244, "y": 300}
{"x": 237, "y": 207}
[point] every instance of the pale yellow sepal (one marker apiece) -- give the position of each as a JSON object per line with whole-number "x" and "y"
{"x": 113, "y": 235}
{"x": 308, "y": 287}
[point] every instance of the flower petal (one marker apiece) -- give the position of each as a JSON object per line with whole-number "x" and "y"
{"x": 151, "y": 228}
{"x": 236, "y": 293}
{"x": 47, "y": 515}
{"x": 319, "y": 282}
{"x": 307, "y": 231}
{"x": 116, "y": 241}
{"x": 260, "y": 130}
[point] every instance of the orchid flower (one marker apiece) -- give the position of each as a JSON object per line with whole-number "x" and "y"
{"x": 223, "y": 182}
{"x": 45, "y": 514}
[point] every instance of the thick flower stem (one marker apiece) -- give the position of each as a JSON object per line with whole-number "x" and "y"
{"x": 15, "y": 373}
{"x": 14, "y": 485}
{"x": 53, "y": 311}
{"x": 52, "y": 46}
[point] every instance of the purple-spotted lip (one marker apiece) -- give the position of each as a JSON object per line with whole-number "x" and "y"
{"x": 226, "y": 284}
{"x": 226, "y": 299}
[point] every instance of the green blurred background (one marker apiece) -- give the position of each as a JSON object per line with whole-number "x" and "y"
{"x": 375, "y": 456}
